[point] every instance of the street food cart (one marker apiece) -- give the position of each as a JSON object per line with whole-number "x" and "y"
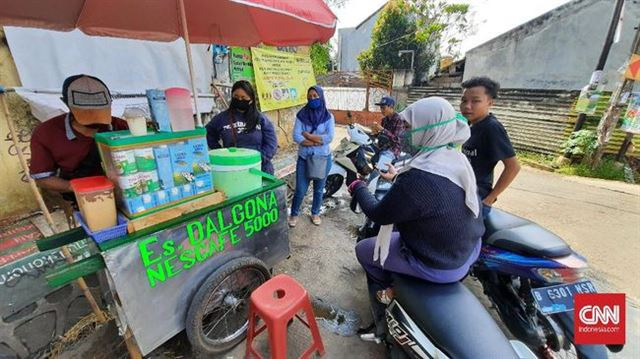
{"x": 195, "y": 271}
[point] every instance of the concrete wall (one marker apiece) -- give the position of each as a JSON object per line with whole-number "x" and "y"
{"x": 15, "y": 196}
{"x": 353, "y": 98}
{"x": 352, "y": 41}
{"x": 558, "y": 50}
{"x": 402, "y": 78}
{"x": 284, "y": 120}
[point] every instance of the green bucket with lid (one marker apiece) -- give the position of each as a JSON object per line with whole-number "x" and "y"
{"x": 231, "y": 170}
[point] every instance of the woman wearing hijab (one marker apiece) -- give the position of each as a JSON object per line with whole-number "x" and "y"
{"x": 242, "y": 125}
{"x": 433, "y": 204}
{"x": 313, "y": 132}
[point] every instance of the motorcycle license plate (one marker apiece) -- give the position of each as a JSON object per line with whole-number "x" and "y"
{"x": 559, "y": 298}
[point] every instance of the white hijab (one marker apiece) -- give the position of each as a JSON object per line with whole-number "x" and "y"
{"x": 436, "y": 129}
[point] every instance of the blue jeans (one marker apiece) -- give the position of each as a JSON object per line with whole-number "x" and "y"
{"x": 302, "y": 184}
{"x": 485, "y": 210}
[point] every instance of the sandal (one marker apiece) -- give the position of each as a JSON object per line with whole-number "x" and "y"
{"x": 293, "y": 221}
{"x": 316, "y": 220}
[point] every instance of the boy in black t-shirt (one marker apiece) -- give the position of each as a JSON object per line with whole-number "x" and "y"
{"x": 489, "y": 142}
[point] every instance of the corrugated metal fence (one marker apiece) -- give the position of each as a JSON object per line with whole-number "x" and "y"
{"x": 537, "y": 120}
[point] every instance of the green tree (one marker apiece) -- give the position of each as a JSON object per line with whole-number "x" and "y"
{"x": 321, "y": 58}
{"x": 321, "y": 53}
{"x": 428, "y": 27}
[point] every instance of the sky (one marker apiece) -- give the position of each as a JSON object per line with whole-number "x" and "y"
{"x": 491, "y": 17}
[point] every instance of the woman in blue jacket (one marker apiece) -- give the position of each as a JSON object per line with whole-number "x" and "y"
{"x": 242, "y": 125}
{"x": 313, "y": 132}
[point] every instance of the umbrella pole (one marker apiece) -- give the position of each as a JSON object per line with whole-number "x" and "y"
{"x": 187, "y": 44}
{"x": 43, "y": 207}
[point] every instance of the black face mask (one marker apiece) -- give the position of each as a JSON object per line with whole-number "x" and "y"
{"x": 242, "y": 105}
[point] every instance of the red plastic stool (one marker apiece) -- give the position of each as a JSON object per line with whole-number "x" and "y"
{"x": 278, "y": 301}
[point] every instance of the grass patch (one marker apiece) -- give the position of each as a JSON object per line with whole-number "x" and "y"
{"x": 540, "y": 158}
{"x": 608, "y": 169}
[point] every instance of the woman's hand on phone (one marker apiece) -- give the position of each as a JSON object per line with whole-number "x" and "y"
{"x": 391, "y": 173}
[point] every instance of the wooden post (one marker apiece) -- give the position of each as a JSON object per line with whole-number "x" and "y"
{"x": 366, "y": 100}
{"x": 132, "y": 347}
{"x": 45, "y": 211}
{"x": 610, "y": 118}
{"x": 187, "y": 44}
{"x": 625, "y": 146}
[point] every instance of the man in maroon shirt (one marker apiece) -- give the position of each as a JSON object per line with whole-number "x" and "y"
{"x": 64, "y": 148}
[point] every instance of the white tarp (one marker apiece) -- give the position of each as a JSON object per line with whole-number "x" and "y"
{"x": 47, "y": 105}
{"x": 45, "y": 58}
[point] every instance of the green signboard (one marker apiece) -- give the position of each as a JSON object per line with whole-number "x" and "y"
{"x": 241, "y": 65}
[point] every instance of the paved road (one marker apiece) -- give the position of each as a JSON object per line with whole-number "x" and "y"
{"x": 599, "y": 219}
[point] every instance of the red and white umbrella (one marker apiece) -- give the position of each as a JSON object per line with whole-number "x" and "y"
{"x": 229, "y": 22}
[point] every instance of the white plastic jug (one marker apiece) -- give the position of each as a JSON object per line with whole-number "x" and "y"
{"x": 180, "y": 110}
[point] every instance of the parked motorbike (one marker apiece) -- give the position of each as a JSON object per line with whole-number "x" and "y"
{"x": 530, "y": 275}
{"x": 426, "y": 320}
{"x": 351, "y": 158}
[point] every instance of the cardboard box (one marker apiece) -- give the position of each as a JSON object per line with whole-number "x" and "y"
{"x": 174, "y": 194}
{"x": 163, "y": 164}
{"x": 181, "y": 163}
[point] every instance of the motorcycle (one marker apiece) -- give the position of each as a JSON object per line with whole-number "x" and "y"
{"x": 530, "y": 276}
{"x": 351, "y": 158}
{"x": 426, "y": 320}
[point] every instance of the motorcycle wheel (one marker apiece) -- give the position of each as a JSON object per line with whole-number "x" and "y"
{"x": 333, "y": 184}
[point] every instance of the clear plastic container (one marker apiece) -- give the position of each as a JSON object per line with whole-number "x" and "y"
{"x": 96, "y": 201}
{"x": 136, "y": 120}
{"x": 180, "y": 110}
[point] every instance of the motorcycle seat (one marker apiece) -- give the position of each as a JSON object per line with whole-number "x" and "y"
{"x": 453, "y": 318}
{"x": 519, "y": 235}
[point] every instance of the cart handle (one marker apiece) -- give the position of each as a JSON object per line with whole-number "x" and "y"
{"x": 61, "y": 239}
{"x": 67, "y": 273}
{"x": 265, "y": 175}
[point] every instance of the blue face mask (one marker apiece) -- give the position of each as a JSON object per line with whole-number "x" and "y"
{"x": 315, "y": 103}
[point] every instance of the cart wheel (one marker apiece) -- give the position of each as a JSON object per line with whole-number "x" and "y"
{"x": 218, "y": 315}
